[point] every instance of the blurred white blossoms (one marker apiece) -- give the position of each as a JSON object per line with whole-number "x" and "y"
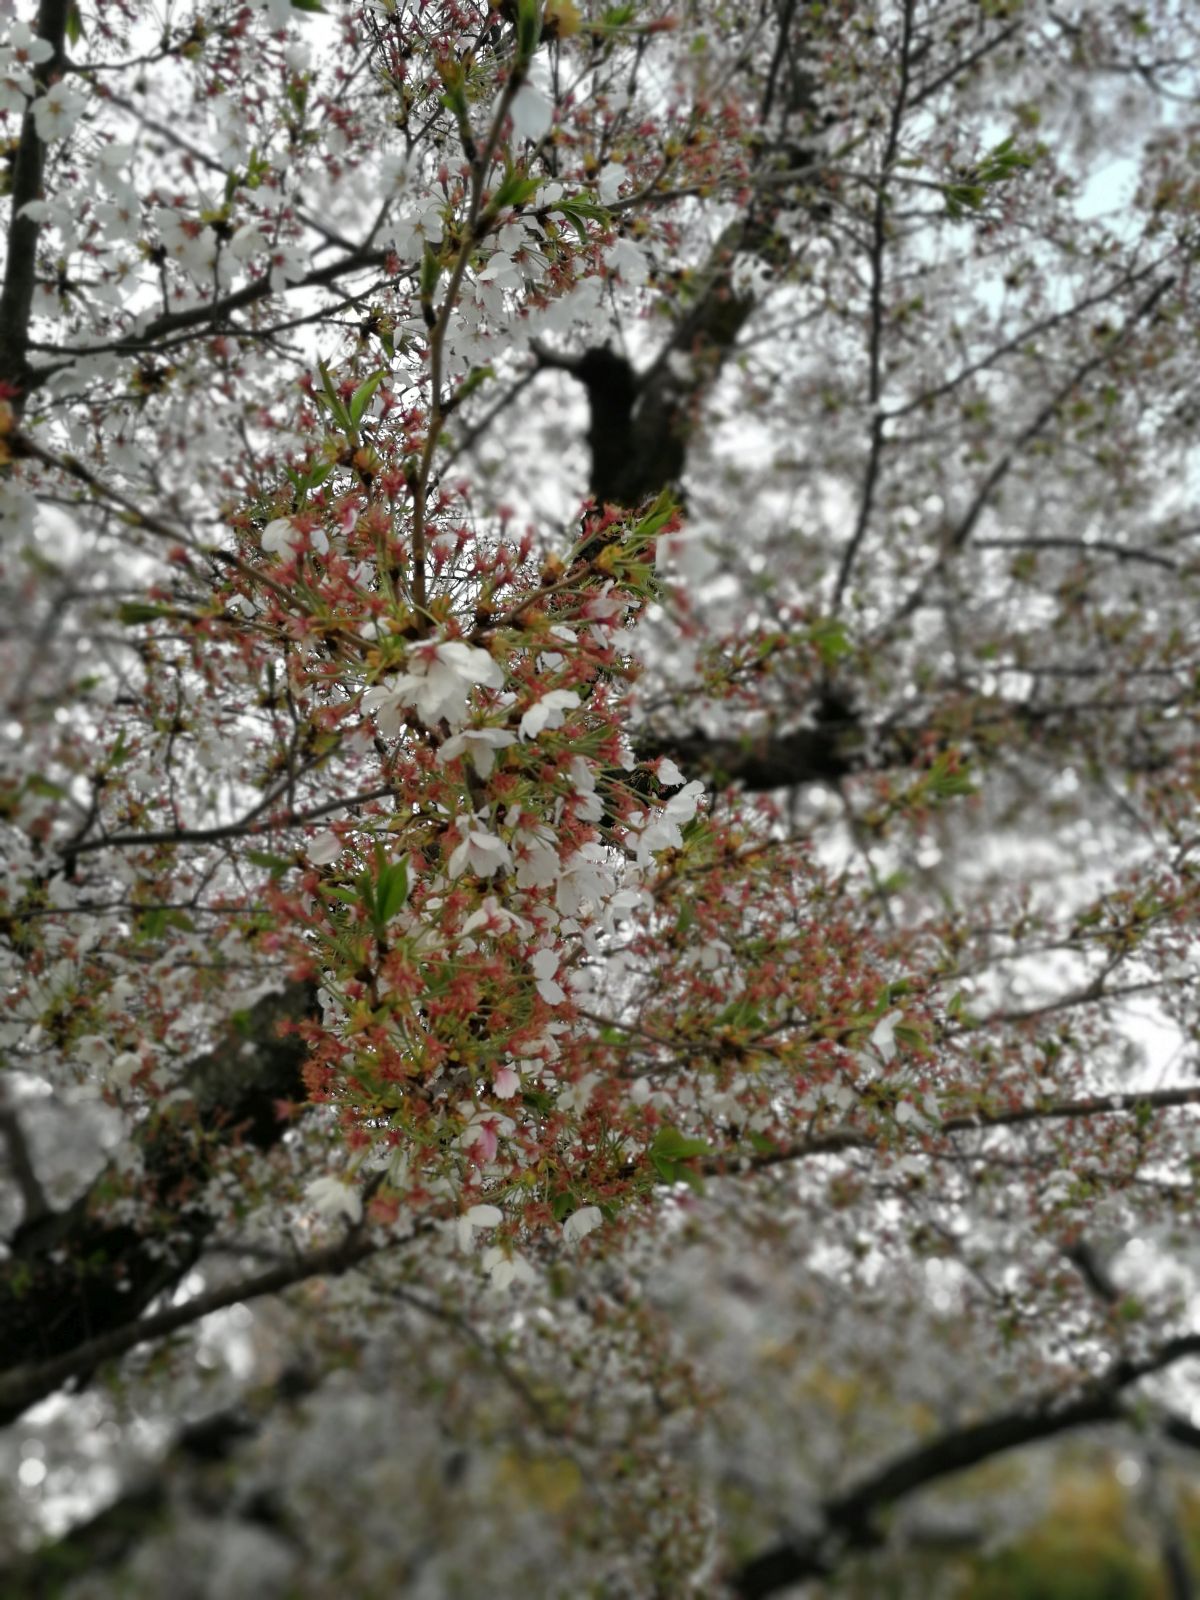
{"x": 504, "y": 1269}
{"x": 532, "y": 113}
{"x": 324, "y": 849}
{"x": 612, "y": 176}
{"x": 580, "y": 1223}
{"x": 330, "y": 1198}
{"x": 57, "y": 111}
{"x": 476, "y": 1217}
{"x": 884, "y": 1035}
{"x": 283, "y": 538}
{"x": 438, "y": 684}
{"x": 505, "y": 1082}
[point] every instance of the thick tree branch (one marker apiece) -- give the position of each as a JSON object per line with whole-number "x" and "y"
{"x": 78, "y": 1275}
{"x": 849, "y": 1520}
{"x": 20, "y": 271}
{"x": 24, "y": 1386}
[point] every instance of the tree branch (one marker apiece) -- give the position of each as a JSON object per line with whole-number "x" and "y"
{"x": 26, "y": 1385}
{"x": 16, "y": 296}
{"x": 77, "y": 1275}
{"x": 849, "y": 1520}
{"x": 1104, "y": 1105}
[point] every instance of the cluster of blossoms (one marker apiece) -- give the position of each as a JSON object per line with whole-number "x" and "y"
{"x": 346, "y": 874}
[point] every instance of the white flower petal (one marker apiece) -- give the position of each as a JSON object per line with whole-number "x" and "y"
{"x": 580, "y": 1223}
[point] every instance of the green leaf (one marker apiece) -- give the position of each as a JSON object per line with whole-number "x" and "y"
{"x": 830, "y": 640}
{"x": 579, "y": 210}
{"x": 154, "y": 923}
{"x": 659, "y": 514}
{"x": 741, "y": 1014}
{"x": 132, "y": 613}
{"x": 963, "y": 197}
{"x": 44, "y": 787}
{"x": 529, "y": 27}
{"x": 334, "y": 401}
{"x": 431, "y": 268}
{"x": 391, "y": 891}
{"x": 74, "y": 25}
{"x": 671, "y": 1145}
{"x": 948, "y": 776}
{"x": 515, "y": 190}
{"x": 474, "y": 379}
{"x": 276, "y": 865}
{"x": 308, "y": 5}
{"x": 363, "y": 395}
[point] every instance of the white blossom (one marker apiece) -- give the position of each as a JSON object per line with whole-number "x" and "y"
{"x": 585, "y": 881}
{"x": 56, "y": 112}
{"x": 505, "y": 1082}
{"x": 27, "y": 46}
{"x": 495, "y": 918}
{"x": 418, "y": 228}
{"x": 324, "y": 849}
{"x": 247, "y": 241}
{"x": 608, "y": 184}
{"x": 485, "y": 1216}
{"x": 883, "y": 1037}
{"x": 289, "y": 264}
{"x": 437, "y": 683}
{"x": 580, "y": 1223}
{"x": 504, "y": 1269}
{"x": 331, "y": 1198}
{"x": 663, "y": 830}
{"x": 478, "y": 852}
{"x": 532, "y": 113}
{"x": 549, "y": 712}
{"x": 544, "y": 965}
{"x": 536, "y": 855}
{"x": 479, "y": 745}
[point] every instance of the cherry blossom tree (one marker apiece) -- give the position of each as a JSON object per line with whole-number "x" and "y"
{"x": 599, "y": 900}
